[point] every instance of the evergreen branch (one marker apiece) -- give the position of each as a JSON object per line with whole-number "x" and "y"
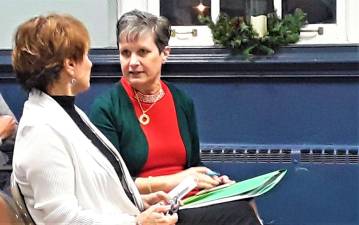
{"x": 235, "y": 33}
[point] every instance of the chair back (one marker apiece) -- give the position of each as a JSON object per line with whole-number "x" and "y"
{"x": 20, "y": 203}
{"x": 8, "y": 213}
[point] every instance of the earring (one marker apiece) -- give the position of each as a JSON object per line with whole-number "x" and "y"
{"x": 73, "y": 81}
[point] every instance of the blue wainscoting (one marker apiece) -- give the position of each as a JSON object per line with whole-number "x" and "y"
{"x": 296, "y": 110}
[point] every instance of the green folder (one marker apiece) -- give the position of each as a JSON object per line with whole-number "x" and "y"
{"x": 240, "y": 190}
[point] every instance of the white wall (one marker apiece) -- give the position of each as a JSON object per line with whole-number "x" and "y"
{"x": 128, "y": 5}
{"x": 99, "y": 16}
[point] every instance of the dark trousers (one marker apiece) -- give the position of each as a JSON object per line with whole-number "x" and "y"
{"x": 229, "y": 213}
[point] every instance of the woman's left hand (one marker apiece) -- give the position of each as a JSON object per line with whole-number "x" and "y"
{"x": 155, "y": 197}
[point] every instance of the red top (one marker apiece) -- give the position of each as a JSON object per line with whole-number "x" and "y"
{"x": 166, "y": 151}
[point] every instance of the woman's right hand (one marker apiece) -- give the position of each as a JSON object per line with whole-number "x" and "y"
{"x": 156, "y": 214}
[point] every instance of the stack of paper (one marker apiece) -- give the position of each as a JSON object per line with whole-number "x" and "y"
{"x": 240, "y": 190}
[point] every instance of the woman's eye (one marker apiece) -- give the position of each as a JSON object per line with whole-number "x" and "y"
{"x": 142, "y": 52}
{"x": 125, "y": 53}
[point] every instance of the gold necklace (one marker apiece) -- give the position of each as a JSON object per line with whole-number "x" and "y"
{"x": 144, "y": 118}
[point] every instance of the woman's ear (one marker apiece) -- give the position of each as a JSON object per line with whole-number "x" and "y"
{"x": 69, "y": 67}
{"x": 166, "y": 52}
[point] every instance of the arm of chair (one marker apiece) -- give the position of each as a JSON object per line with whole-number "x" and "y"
{"x": 19, "y": 202}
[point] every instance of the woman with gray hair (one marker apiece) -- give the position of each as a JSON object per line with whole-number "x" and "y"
{"x": 153, "y": 124}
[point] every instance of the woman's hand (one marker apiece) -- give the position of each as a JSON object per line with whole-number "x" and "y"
{"x": 225, "y": 179}
{"x": 7, "y": 126}
{"x": 168, "y": 182}
{"x": 156, "y": 197}
{"x": 156, "y": 214}
{"x": 203, "y": 180}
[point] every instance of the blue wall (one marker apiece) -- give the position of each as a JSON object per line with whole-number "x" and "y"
{"x": 257, "y": 111}
{"x": 288, "y": 111}
{"x": 309, "y": 194}
{"x": 277, "y": 111}
{"x": 302, "y": 98}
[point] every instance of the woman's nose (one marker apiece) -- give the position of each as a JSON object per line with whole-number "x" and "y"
{"x": 134, "y": 60}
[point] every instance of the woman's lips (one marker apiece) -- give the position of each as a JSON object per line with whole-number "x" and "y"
{"x": 135, "y": 73}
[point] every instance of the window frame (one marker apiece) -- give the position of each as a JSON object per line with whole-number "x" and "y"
{"x": 333, "y": 33}
{"x": 202, "y": 37}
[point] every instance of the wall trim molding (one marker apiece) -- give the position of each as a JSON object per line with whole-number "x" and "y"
{"x": 214, "y": 62}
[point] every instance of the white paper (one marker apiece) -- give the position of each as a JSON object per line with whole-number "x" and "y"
{"x": 183, "y": 188}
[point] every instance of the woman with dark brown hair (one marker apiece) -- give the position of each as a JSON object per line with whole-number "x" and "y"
{"x": 67, "y": 171}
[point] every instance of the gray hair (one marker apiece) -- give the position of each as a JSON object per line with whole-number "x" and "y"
{"x": 135, "y": 23}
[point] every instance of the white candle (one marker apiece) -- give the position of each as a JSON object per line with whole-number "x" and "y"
{"x": 259, "y": 24}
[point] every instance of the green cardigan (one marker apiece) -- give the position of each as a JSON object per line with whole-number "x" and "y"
{"x": 114, "y": 115}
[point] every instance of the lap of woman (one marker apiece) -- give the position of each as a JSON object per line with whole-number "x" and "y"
{"x": 228, "y": 213}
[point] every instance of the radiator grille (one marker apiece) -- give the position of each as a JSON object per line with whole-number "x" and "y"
{"x": 337, "y": 156}
{"x": 247, "y": 155}
{"x": 280, "y": 155}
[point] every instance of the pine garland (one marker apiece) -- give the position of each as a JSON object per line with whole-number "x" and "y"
{"x": 236, "y": 34}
